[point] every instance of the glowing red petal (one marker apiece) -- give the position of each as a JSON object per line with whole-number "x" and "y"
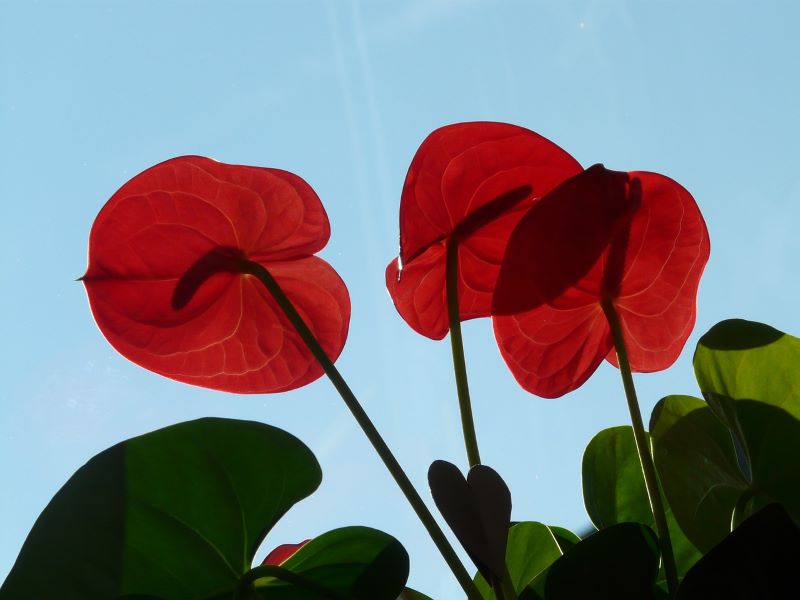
{"x": 561, "y": 245}
{"x": 473, "y": 181}
{"x": 551, "y": 352}
{"x": 223, "y": 331}
{"x": 420, "y": 295}
{"x": 419, "y": 291}
{"x": 657, "y": 299}
{"x": 282, "y": 553}
{"x": 637, "y": 239}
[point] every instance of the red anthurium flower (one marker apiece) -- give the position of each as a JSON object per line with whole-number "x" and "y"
{"x": 468, "y": 182}
{"x": 282, "y": 553}
{"x": 166, "y": 286}
{"x": 635, "y": 242}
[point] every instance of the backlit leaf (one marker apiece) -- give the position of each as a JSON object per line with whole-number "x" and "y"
{"x": 357, "y": 563}
{"x": 614, "y": 490}
{"x": 176, "y": 513}
{"x": 532, "y": 548}
{"x": 726, "y": 485}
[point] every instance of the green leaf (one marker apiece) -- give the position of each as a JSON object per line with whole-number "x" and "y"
{"x": 613, "y": 485}
{"x": 757, "y": 560}
{"x": 737, "y": 466}
{"x": 409, "y": 594}
{"x": 743, "y": 368}
{"x": 745, "y": 360}
{"x": 618, "y": 562}
{"x": 564, "y": 538}
{"x": 176, "y": 513}
{"x": 357, "y": 563}
{"x": 614, "y": 490}
{"x": 697, "y": 464}
{"x": 531, "y": 548}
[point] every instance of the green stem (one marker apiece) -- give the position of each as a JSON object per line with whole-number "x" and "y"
{"x": 249, "y": 578}
{"x": 367, "y": 426}
{"x": 504, "y": 588}
{"x": 643, "y": 448}
{"x": 459, "y": 364}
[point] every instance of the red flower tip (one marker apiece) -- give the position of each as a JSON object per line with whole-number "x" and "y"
{"x": 166, "y": 286}
{"x": 468, "y": 182}
{"x": 636, "y": 241}
{"x": 282, "y": 553}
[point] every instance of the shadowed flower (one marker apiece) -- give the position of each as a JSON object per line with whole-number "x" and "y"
{"x": 468, "y": 186}
{"x": 167, "y": 283}
{"x": 604, "y": 244}
{"x": 282, "y": 553}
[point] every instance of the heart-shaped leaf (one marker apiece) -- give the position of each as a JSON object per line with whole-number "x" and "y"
{"x": 477, "y": 509}
{"x": 734, "y": 472}
{"x": 759, "y": 559}
{"x": 176, "y": 513}
{"x": 614, "y": 490}
{"x": 618, "y": 562}
{"x": 745, "y": 360}
{"x": 613, "y": 486}
{"x": 532, "y": 547}
{"x": 357, "y": 563}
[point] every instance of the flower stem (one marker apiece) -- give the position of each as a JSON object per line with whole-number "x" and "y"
{"x": 504, "y": 587}
{"x": 367, "y": 426}
{"x": 459, "y": 364}
{"x": 643, "y": 448}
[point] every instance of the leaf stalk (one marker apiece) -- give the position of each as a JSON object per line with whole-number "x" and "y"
{"x": 643, "y": 448}
{"x": 459, "y": 362}
{"x": 352, "y": 403}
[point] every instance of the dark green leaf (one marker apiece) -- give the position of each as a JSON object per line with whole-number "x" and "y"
{"x": 176, "y": 513}
{"x": 409, "y": 594}
{"x": 614, "y": 490}
{"x": 618, "y": 562}
{"x": 357, "y": 563}
{"x": 758, "y": 560}
{"x": 697, "y": 465}
{"x": 728, "y": 481}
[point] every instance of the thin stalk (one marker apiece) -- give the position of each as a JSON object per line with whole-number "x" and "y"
{"x": 643, "y": 448}
{"x": 367, "y": 426}
{"x": 459, "y": 364}
{"x": 504, "y": 588}
{"x": 249, "y": 578}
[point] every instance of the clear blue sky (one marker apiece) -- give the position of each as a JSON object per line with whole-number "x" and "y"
{"x": 342, "y": 93}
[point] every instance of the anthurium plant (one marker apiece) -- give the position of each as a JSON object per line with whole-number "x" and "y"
{"x": 207, "y": 273}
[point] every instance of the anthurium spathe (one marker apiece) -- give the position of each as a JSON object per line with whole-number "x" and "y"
{"x": 169, "y": 291}
{"x": 603, "y": 243}
{"x": 282, "y": 553}
{"x": 468, "y": 182}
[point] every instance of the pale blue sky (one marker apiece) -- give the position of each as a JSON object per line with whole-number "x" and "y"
{"x": 342, "y": 92}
